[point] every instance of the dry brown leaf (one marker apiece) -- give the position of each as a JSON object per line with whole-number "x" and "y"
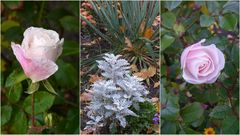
{"x": 128, "y": 42}
{"x": 134, "y": 68}
{"x": 87, "y": 131}
{"x": 157, "y": 21}
{"x": 84, "y": 97}
{"x": 142, "y": 26}
{"x": 157, "y": 84}
{"x": 146, "y": 73}
{"x": 94, "y": 78}
{"x": 152, "y": 70}
{"x": 148, "y": 33}
{"x": 122, "y": 28}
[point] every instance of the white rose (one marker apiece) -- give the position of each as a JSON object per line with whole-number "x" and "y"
{"x": 39, "y": 50}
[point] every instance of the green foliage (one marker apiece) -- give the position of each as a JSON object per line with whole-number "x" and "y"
{"x": 187, "y": 108}
{"x": 129, "y": 32}
{"x": 6, "y": 112}
{"x": 143, "y": 122}
{"x": 17, "y": 90}
{"x": 42, "y": 102}
{"x": 192, "y": 112}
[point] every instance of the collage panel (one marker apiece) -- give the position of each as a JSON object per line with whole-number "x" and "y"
{"x": 199, "y": 67}
{"x": 39, "y": 67}
{"x": 119, "y": 67}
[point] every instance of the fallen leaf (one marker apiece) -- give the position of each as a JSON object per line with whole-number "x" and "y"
{"x": 142, "y": 26}
{"x": 134, "y": 68}
{"x": 128, "y": 44}
{"x": 152, "y": 70}
{"x": 84, "y": 97}
{"x": 148, "y": 33}
{"x": 94, "y": 78}
{"x": 146, "y": 73}
{"x": 157, "y": 21}
{"x": 157, "y": 84}
{"x": 122, "y": 28}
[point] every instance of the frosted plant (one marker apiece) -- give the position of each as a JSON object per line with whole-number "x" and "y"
{"x": 113, "y": 96}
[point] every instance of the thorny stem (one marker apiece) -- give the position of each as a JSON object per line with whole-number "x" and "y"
{"x": 229, "y": 94}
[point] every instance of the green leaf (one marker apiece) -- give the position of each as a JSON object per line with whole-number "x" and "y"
{"x": 192, "y": 112}
{"x": 229, "y": 69}
{"x": 66, "y": 75}
{"x": 230, "y": 125}
{"x": 206, "y": 20}
{"x": 14, "y": 93}
{"x": 166, "y": 41}
{"x": 235, "y": 55}
{"x": 170, "y": 5}
{"x": 228, "y": 22}
{"x": 49, "y": 87}
{"x": 6, "y": 112}
{"x": 213, "y": 7}
{"x": 14, "y": 78}
{"x": 32, "y": 88}
{"x": 8, "y": 24}
{"x": 170, "y": 111}
{"x": 42, "y": 102}
{"x": 70, "y": 23}
{"x": 179, "y": 29}
{"x": 70, "y": 48}
{"x": 169, "y": 128}
{"x": 231, "y": 6}
{"x": 168, "y": 19}
{"x": 19, "y": 123}
{"x": 220, "y": 111}
{"x": 149, "y": 47}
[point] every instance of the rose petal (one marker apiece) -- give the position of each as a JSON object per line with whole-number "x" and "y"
{"x": 186, "y": 51}
{"x": 35, "y": 69}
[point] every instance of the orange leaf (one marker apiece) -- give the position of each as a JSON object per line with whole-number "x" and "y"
{"x": 148, "y": 33}
{"x": 146, "y": 73}
{"x": 152, "y": 71}
{"x": 94, "y": 78}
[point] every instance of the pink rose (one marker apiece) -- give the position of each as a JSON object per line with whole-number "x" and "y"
{"x": 39, "y": 50}
{"x": 202, "y": 64}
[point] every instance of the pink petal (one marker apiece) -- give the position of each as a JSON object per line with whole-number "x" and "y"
{"x": 35, "y": 69}
{"x": 187, "y": 50}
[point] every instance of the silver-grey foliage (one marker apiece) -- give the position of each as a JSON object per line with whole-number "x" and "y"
{"x": 113, "y": 96}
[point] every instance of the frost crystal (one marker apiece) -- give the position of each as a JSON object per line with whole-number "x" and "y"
{"x": 113, "y": 96}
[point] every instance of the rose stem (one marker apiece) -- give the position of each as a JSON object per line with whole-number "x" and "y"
{"x": 33, "y": 118}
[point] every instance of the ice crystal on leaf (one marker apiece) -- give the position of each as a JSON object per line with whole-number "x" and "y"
{"x": 113, "y": 96}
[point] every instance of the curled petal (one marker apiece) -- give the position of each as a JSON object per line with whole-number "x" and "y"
{"x": 35, "y": 69}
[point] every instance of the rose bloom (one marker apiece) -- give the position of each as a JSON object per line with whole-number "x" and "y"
{"x": 39, "y": 50}
{"x": 202, "y": 64}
